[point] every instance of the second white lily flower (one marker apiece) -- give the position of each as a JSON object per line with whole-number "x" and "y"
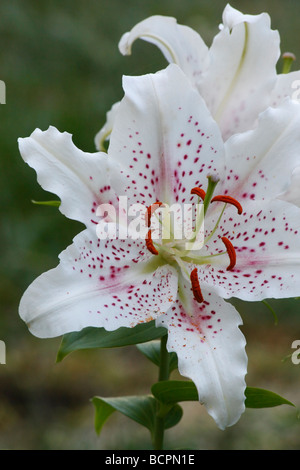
{"x": 236, "y": 76}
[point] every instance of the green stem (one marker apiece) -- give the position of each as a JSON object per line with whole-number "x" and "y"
{"x": 164, "y": 373}
{"x": 212, "y": 183}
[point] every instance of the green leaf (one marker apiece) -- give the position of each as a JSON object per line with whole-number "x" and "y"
{"x": 173, "y": 416}
{"x": 152, "y": 351}
{"x": 138, "y": 408}
{"x": 103, "y": 410}
{"x": 260, "y": 398}
{"x": 174, "y": 391}
{"x": 91, "y": 337}
{"x": 141, "y": 409}
{"x": 47, "y": 203}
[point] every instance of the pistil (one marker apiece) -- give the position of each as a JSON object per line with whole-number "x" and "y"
{"x": 288, "y": 59}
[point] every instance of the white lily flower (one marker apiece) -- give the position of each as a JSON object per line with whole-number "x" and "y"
{"x": 166, "y": 148}
{"x": 236, "y": 76}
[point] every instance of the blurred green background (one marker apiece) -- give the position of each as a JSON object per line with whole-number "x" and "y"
{"x": 61, "y": 65}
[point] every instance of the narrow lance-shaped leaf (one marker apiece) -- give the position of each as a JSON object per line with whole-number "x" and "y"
{"x": 152, "y": 351}
{"x": 138, "y": 408}
{"x": 176, "y": 391}
{"x": 90, "y": 338}
{"x": 260, "y": 398}
{"x": 141, "y": 409}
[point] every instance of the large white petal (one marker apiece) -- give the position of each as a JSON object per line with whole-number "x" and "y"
{"x": 266, "y": 238}
{"x": 166, "y": 137}
{"x": 99, "y": 284}
{"x": 242, "y": 71}
{"x": 292, "y": 194}
{"x": 287, "y": 84}
{"x": 232, "y": 17}
{"x": 259, "y": 163}
{"x": 81, "y": 180}
{"x": 179, "y": 44}
{"x": 211, "y": 352}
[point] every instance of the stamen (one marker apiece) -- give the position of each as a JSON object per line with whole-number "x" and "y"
{"x": 231, "y": 253}
{"x": 199, "y": 191}
{"x": 229, "y": 200}
{"x": 196, "y": 286}
{"x": 149, "y": 244}
{"x": 150, "y": 210}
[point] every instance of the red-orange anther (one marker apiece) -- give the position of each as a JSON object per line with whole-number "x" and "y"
{"x": 200, "y": 192}
{"x": 231, "y": 253}
{"x": 149, "y": 244}
{"x": 196, "y": 286}
{"x": 228, "y": 200}
{"x": 150, "y": 210}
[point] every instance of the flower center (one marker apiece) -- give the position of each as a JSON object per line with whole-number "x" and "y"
{"x": 182, "y": 254}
